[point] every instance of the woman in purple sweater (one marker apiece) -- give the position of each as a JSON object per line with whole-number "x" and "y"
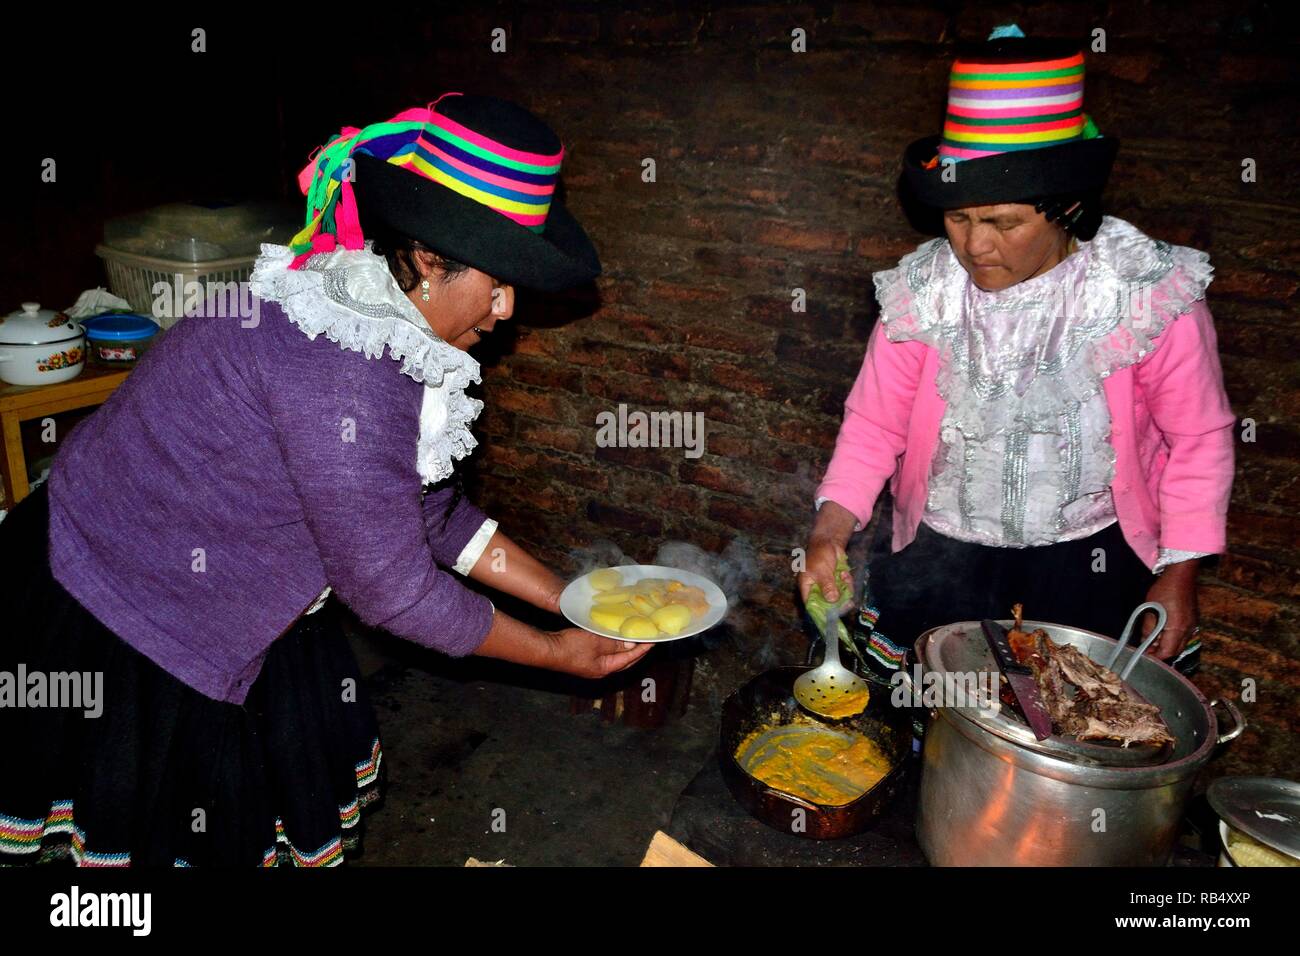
{"x": 258, "y": 458}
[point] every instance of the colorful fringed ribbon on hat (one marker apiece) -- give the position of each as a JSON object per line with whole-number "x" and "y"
{"x": 512, "y": 182}
{"x": 997, "y": 107}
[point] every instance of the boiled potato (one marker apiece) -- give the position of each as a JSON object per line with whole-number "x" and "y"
{"x": 612, "y": 616}
{"x": 672, "y": 619}
{"x": 605, "y": 579}
{"x": 639, "y": 628}
{"x": 645, "y": 609}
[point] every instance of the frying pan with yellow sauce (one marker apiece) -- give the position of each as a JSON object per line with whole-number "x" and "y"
{"x": 808, "y": 760}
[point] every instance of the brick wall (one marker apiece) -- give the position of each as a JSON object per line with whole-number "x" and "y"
{"x": 776, "y": 170}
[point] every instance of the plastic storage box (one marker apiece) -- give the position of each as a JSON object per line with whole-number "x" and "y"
{"x": 118, "y": 339}
{"x": 154, "y": 257}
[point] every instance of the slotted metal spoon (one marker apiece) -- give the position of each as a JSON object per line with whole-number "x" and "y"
{"x": 831, "y": 690}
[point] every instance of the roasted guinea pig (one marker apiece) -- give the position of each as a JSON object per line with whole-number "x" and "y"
{"x": 1083, "y": 698}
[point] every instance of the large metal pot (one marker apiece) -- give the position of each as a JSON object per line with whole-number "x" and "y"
{"x": 993, "y": 795}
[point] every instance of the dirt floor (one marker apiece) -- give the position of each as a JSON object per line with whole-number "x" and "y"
{"x": 486, "y": 760}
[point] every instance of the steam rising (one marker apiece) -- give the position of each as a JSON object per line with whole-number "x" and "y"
{"x": 734, "y": 570}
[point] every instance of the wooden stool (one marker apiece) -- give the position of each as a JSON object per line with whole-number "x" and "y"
{"x": 20, "y": 403}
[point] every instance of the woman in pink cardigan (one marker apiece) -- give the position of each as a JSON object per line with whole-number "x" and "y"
{"x": 1042, "y": 392}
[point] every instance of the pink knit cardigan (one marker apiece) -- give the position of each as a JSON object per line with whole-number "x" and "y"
{"x": 1172, "y": 432}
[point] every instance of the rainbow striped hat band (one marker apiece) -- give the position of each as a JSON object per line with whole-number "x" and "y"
{"x": 1000, "y": 105}
{"x": 517, "y": 184}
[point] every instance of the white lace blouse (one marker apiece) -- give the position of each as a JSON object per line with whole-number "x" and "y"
{"x": 1024, "y": 457}
{"x": 1045, "y": 479}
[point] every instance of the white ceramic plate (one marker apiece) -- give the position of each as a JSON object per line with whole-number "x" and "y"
{"x": 575, "y": 601}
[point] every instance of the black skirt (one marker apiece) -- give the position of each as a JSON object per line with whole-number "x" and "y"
{"x": 163, "y": 775}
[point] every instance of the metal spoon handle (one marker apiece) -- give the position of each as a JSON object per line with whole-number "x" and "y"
{"x": 831, "y": 638}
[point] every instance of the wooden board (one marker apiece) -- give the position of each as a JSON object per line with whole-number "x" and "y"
{"x": 665, "y": 851}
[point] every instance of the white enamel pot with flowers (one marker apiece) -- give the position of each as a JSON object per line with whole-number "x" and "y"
{"x": 40, "y": 346}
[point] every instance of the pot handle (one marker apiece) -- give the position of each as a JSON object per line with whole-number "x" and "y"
{"x": 1138, "y": 611}
{"x": 1238, "y": 721}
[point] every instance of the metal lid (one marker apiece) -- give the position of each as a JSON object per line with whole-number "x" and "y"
{"x": 1266, "y": 809}
{"x": 32, "y": 325}
{"x": 961, "y": 650}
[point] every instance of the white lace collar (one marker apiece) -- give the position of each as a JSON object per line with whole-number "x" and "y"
{"x": 1011, "y": 359}
{"x": 350, "y": 296}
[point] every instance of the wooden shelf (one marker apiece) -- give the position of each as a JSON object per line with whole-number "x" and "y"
{"x": 20, "y": 403}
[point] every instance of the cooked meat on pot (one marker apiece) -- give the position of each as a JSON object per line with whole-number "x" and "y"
{"x": 1083, "y": 698}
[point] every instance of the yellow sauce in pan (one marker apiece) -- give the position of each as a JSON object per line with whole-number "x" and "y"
{"x": 825, "y": 766}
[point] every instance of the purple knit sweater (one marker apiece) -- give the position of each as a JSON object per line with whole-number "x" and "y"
{"x": 233, "y": 440}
